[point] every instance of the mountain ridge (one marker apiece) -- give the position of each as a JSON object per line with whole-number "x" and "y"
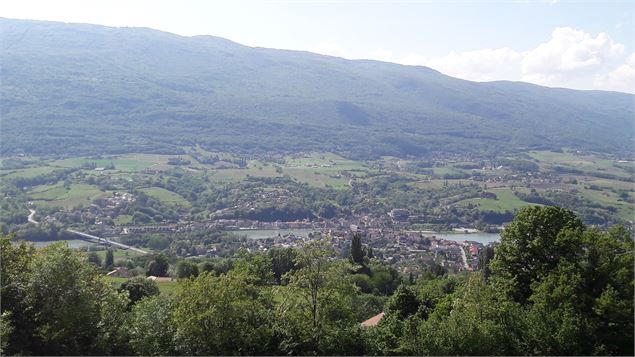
{"x": 131, "y": 82}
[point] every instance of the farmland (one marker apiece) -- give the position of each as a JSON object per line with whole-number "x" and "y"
{"x": 505, "y": 201}
{"x": 197, "y": 185}
{"x": 166, "y": 196}
{"x": 66, "y": 197}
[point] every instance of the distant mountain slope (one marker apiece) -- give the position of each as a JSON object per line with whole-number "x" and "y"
{"x": 74, "y": 88}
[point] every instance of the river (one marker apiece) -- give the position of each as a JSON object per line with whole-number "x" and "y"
{"x": 272, "y": 233}
{"x": 72, "y": 243}
{"x": 483, "y": 238}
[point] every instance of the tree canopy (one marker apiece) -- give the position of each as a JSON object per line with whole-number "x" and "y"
{"x": 571, "y": 295}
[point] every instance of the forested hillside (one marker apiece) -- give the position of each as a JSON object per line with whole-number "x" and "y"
{"x": 86, "y": 89}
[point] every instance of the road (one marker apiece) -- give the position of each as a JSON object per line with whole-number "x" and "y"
{"x": 90, "y": 236}
{"x": 104, "y": 240}
{"x": 30, "y": 217}
{"x": 464, "y": 257}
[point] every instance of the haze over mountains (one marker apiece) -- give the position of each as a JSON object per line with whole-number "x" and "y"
{"x": 87, "y": 89}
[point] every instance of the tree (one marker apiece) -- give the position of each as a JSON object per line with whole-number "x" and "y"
{"x": 436, "y": 270}
{"x": 357, "y": 251}
{"x": 481, "y": 322}
{"x": 185, "y": 269}
{"x": 585, "y": 304}
{"x": 93, "y": 258}
{"x": 151, "y": 328}
{"x": 109, "y": 262}
{"x": 282, "y": 262}
{"x": 255, "y": 265}
{"x": 6, "y": 330}
{"x": 74, "y": 310}
{"x": 317, "y": 307}
{"x": 15, "y": 272}
{"x": 159, "y": 242}
{"x": 532, "y": 245}
{"x": 138, "y": 288}
{"x": 223, "y": 315}
{"x": 158, "y": 266}
{"x": 576, "y": 284}
{"x": 485, "y": 256}
{"x": 403, "y": 303}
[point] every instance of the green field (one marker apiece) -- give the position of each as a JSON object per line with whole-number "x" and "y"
{"x": 235, "y": 175}
{"x": 610, "y": 184}
{"x": 28, "y": 173}
{"x": 128, "y": 162}
{"x": 166, "y": 196}
{"x": 317, "y": 177}
{"x": 606, "y": 197}
{"x": 330, "y": 170}
{"x": 123, "y": 219}
{"x": 589, "y": 164}
{"x": 320, "y": 170}
{"x": 57, "y": 195}
{"x": 118, "y": 254}
{"x": 322, "y": 159}
{"x": 505, "y": 201}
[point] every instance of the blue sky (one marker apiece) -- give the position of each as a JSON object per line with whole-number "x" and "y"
{"x": 577, "y": 44}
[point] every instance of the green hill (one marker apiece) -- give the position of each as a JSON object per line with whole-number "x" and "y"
{"x": 85, "y": 89}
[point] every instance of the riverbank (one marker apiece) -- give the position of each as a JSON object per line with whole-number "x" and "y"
{"x": 480, "y": 237}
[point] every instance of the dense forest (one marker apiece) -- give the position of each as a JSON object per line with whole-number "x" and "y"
{"x": 553, "y": 286}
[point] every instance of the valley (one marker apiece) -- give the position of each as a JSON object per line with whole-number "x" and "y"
{"x": 165, "y": 194}
{"x": 140, "y": 198}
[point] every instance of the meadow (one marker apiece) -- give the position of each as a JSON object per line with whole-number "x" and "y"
{"x": 165, "y": 287}
{"x": 505, "y": 200}
{"x": 66, "y": 197}
{"x": 594, "y": 179}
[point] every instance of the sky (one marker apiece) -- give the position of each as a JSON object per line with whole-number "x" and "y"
{"x": 557, "y": 43}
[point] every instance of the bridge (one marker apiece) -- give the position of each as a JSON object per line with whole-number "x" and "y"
{"x": 90, "y": 236}
{"x": 106, "y": 241}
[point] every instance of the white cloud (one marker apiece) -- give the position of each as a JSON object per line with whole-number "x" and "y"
{"x": 568, "y": 52}
{"x": 570, "y": 58}
{"x": 621, "y": 78}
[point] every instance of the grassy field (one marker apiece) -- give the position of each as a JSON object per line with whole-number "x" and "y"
{"x": 606, "y": 197}
{"x": 235, "y": 175}
{"x": 28, "y": 173}
{"x": 128, "y": 162}
{"x": 326, "y": 169}
{"x": 57, "y": 195}
{"x": 505, "y": 201}
{"x": 317, "y": 177}
{"x": 166, "y": 196}
{"x": 123, "y": 219}
{"x": 118, "y": 254}
{"x": 439, "y": 183}
{"x": 165, "y": 287}
{"x": 320, "y": 170}
{"x": 589, "y": 164}
{"x": 613, "y": 184}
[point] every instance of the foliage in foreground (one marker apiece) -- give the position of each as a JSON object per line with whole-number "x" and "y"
{"x": 553, "y": 287}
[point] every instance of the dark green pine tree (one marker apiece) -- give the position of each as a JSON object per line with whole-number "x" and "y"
{"x": 484, "y": 257}
{"x": 357, "y": 252}
{"x": 110, "y": 259}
